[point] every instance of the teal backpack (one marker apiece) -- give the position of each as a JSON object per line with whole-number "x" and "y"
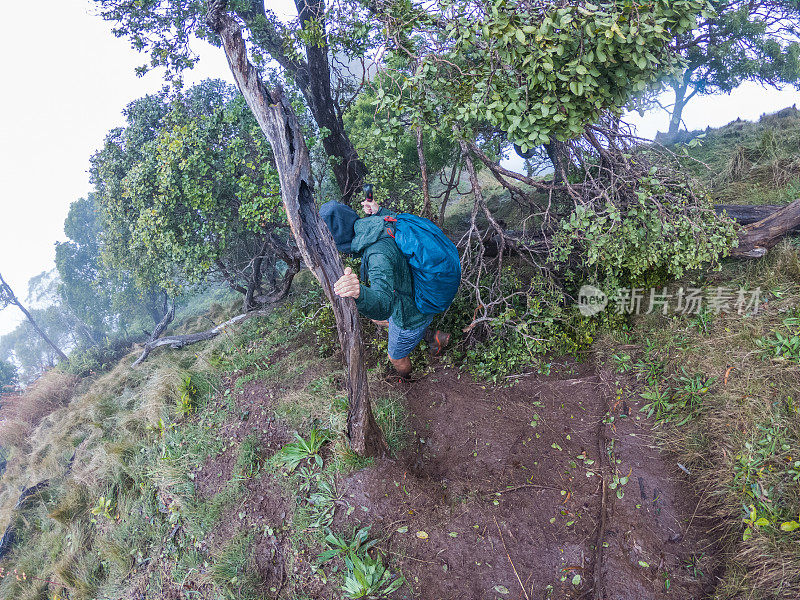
{"x": 433, "y": 258}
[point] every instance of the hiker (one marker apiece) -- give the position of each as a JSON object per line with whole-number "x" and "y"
{"x": 389, "y": 298}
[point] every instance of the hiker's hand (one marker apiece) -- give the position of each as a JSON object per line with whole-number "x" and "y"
{"x": 348, "y": 285}
{"x": 370, "y": 206}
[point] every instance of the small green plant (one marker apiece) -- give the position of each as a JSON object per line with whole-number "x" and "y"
{"x": 782, "y": 346}
{"x": 249, "y": 459}
{"x": 368, "y": 577}
{"x": 340, "y": 547}
{"x": 701, "y": 320}
{"x": 188, "y": 395}
{"x": 622, "y": 362}
{"x": 649, "y": 369}
{"x": 322, "y": 502}
{"x": 693, "y": 565}
{"x": 790, "y": 526}
{"x": 617, "y": 484}
{"x": 688, "y": 396}
{"x": 753, "y": 522}
{"x": 365, "y": 576}
{"x": 658, "y": 405}
{"x": 294, "y": 453}
{"x": 103, "y": 508}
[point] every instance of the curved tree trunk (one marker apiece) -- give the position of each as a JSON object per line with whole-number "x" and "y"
{"x": 313, "y": 77}
{"x": 280, "y": 125}
{"x": 163, "y": 323}
{"x": 6, "y": 293}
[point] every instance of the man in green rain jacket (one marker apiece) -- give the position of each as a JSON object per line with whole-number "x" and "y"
{"x": 388, "y": 299}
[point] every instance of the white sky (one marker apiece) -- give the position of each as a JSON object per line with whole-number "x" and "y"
{"x": 67, "y": 79}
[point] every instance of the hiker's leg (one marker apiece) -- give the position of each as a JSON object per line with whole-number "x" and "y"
{"x": 402, "y": 366}
{"x": 401, "y": 343}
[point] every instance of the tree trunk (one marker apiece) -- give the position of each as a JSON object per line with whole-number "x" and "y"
{"x": 280, "y": 125}
{"x": 423, "y": 168}
{"x": 453, "y": 182}
{"x": 8, "y": 293}
{"x": 314, "y": 80}
{"x": 680, "y": 88}
{"x": 179, "y": 341}
{"x": 762, "y": 235}
{"x": 156, "y": 305}
{"x": 557, "y": 155}
{"x": 163, "y": 323}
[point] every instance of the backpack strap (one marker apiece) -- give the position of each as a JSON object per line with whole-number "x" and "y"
{"x": 388, "y": 228}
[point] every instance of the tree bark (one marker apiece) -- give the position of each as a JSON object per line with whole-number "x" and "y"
{"x": 314, "y": 80}
{"x": 163, "y": 323}
{"x": 12, "y": 299}
{"x": 680, "y": 87}
{"x": 450, "y": 186}
{"x": 156, "y": 305}
{"x": 423, "y": 167}
{"x": 179, "y": 341}
{"x": 557, "y": 155}
{"x": 280, "y": 125}
{"x": 747, "y": 214}
{"x": 762, "y": 235}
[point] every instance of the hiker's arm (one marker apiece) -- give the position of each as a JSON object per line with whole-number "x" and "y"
{"x": 385, "y": 212}
{"x": 375, "y": 301}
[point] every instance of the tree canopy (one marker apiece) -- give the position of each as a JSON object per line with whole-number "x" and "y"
{"x": 738, "y": 41}
{"x": 164, "y": 28}
{"x": 189, "y": 193}
{"x": 538, "y": 71}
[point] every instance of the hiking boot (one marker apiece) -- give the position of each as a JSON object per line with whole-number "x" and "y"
{"x": 437, "y": 341}
{"x": 395, "y": 378}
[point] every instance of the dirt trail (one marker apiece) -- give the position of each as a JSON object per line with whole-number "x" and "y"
{"x": 500, "y": 495}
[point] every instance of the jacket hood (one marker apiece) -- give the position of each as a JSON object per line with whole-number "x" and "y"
{"x": 368, "y": 230}
{"x": 340, "y": 219}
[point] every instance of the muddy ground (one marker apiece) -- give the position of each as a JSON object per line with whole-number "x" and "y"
{"x": 506, "y": 492}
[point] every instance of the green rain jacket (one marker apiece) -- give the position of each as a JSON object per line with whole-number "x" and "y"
{"x": 390, "y": 289}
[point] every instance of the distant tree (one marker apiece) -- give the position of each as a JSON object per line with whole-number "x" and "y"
{"x": 103, "y": 301}
{"x": 188, "y": 193}
{"x": 7, "y": 298}
{"x": 8, "y": 376}
{"x": 742, "y": 40}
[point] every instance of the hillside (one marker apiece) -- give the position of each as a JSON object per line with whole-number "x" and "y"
{"x": 660, "y": 463}
{"x": 749, "y": 162}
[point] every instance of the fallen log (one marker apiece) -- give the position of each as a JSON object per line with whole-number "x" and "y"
{"x": 179, "y": 341}
{"x": 758, "y": 237}
{"x": 745, "y": 215}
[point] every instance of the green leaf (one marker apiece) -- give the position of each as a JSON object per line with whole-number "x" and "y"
{"x": 500, "y": 589}
{"x": 790, "y": 526}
